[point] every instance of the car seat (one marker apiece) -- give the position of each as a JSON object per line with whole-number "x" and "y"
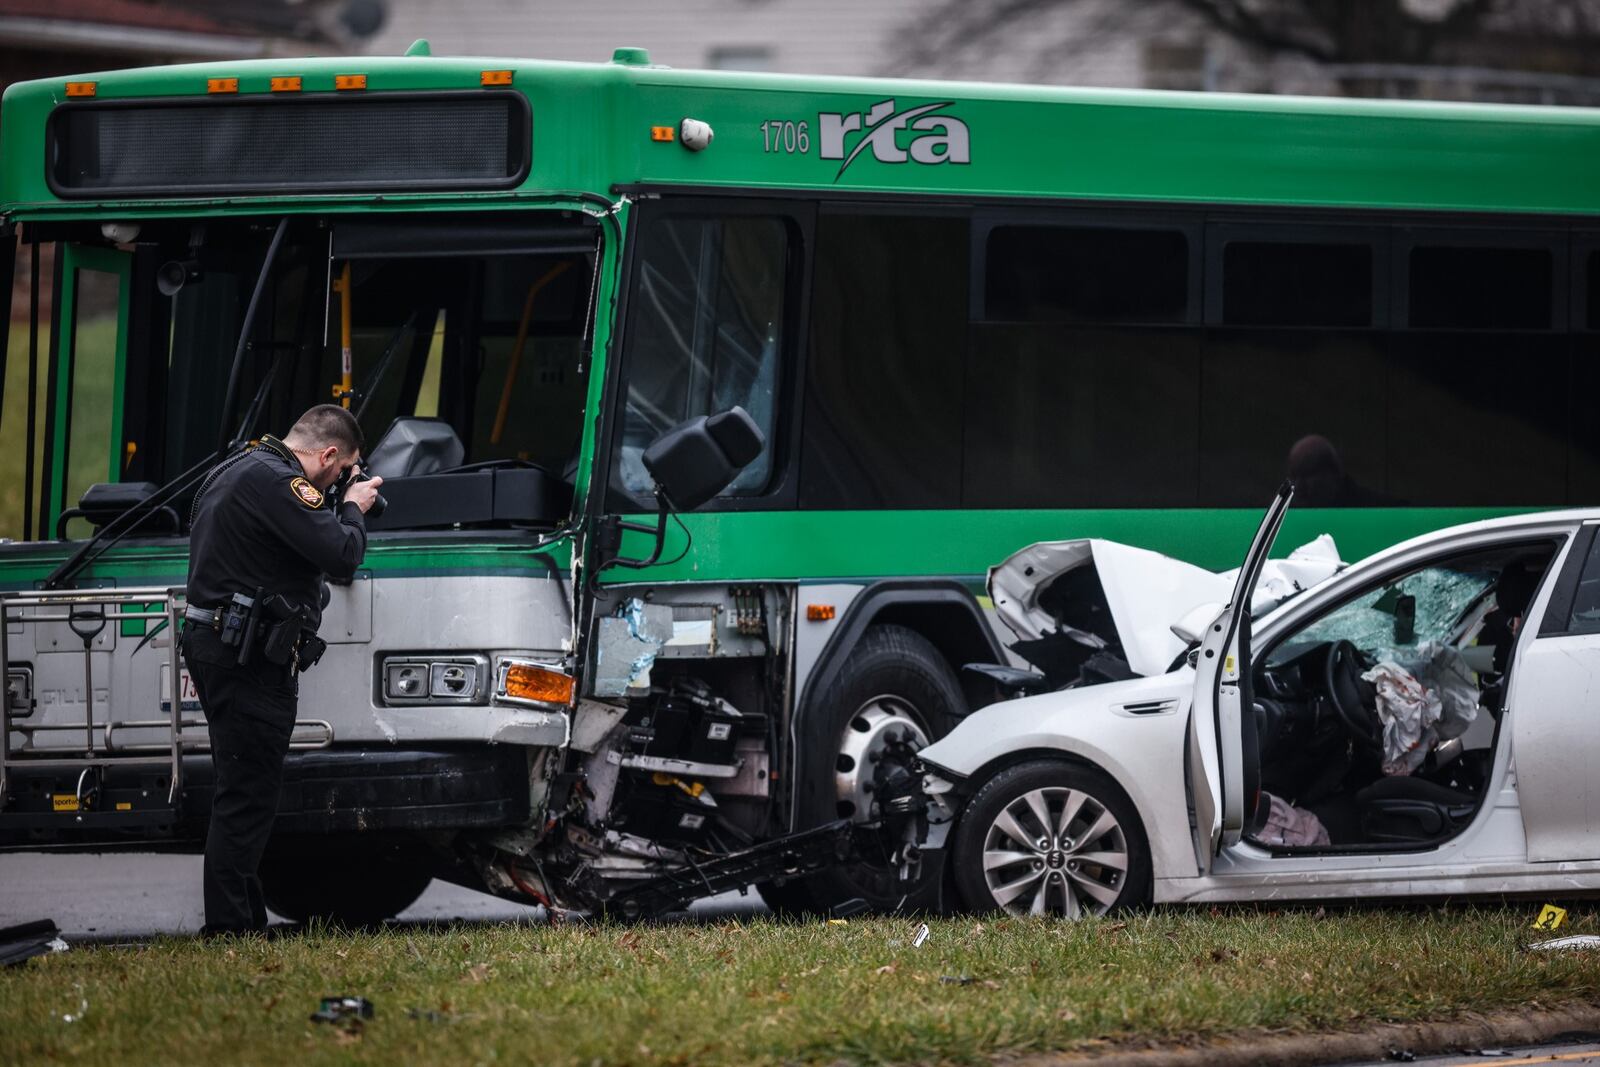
{"x": 1402, "y": 809}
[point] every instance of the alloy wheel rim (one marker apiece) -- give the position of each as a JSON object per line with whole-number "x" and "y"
{"x": 1055, "y": 851}
{"x": 880, "y": 723}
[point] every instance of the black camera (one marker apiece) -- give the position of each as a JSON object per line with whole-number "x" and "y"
{"x": 357, "y": 473}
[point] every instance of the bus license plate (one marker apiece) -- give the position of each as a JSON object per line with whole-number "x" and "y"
{"x": 189, "y": 700}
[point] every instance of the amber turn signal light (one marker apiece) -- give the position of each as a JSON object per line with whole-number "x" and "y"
{"x": 529, "y": 681}
{"x": 819, "y": 612}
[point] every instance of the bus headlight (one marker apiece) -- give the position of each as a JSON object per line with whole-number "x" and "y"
{"x": 442, "y": 679}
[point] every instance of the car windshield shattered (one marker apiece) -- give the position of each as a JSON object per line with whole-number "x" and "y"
{"x": 1433, "y": 604}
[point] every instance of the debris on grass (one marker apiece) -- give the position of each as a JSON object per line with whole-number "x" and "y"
{"x": 343, "y": 1011}
{"x": 922, "y": 936}
{"x": 1575, "y": 942}
{"x": 18, "y": 944}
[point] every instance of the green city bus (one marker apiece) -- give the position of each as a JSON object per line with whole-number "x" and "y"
{"x": 963, "y": 318}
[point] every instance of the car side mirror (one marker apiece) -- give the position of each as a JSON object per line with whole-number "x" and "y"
{"x": 695, "y": 460}
{"x": 690, "y": 464}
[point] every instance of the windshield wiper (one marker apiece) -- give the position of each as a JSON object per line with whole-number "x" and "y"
{"x": 124, "y": 524}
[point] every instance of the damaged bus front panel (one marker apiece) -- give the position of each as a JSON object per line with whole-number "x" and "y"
{"x": 464, "y": 347}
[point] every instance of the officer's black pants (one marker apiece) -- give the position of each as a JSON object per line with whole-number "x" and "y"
{"x": 250, "y": 714}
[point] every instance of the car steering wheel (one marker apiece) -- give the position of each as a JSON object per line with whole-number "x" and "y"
{"x": 1341, "y": 673}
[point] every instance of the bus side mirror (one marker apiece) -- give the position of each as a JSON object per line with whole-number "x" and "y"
{"x": 695, "y": 460}
{"x": 690, "y": 463}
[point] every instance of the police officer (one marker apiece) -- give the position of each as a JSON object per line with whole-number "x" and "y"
{"x": 262, "y": 537}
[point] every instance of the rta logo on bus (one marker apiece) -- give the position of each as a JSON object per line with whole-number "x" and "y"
{"x": 935, "y": 138}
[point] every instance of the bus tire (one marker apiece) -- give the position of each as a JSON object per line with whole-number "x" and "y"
{"x": 339, "y": 881}
{"x": 894, "y": 683}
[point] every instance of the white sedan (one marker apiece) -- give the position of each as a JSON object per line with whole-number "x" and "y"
{"x": 1423, "y": 722}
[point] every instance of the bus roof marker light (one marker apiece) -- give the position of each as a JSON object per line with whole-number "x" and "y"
{"x": 663, "y": 133}
{"x": 695, "y": 135}
{"x": 495, "y": 77}
{"x": 82, "y": 88}
{"x": 349, "y": 81}
{"x": 631, "y": 57}
{"x": 287, "y": 84}
{"x": 222, "y": 85}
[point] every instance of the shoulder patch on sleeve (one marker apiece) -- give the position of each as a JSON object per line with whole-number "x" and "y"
{"x": 306, "y": 493}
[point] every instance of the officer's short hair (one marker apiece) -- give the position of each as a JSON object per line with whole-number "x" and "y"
{"x": 329, "y": 424}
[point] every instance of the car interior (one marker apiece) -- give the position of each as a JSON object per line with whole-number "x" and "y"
{"x": 1432, "y": 647}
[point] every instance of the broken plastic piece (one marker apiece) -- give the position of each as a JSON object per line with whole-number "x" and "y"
{"x": 845, "y": 909}
{"x": 922, "y": 936}
{"x": 21, "y": 943}
{"x": 340, "y": 1009}
{"x": 1573, "y": 943}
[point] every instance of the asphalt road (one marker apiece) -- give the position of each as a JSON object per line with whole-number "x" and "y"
{"x": 131, "y": 895}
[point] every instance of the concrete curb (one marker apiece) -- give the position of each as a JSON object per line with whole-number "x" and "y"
{"x": 1472, "y": 1031}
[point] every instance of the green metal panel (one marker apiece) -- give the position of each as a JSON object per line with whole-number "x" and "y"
{"x": 24, "y": 566}
{"x": 591, "y": 131}
{"x": 814, "y": 545}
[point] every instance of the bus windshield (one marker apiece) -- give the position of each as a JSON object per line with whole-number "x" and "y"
{"x": 483, "y": 337}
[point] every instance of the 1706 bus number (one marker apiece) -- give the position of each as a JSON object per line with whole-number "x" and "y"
{"x": 786, "y": 137}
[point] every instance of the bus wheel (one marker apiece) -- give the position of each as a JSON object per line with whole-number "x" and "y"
{"x": 340, "y": 881}
{"x": 895, "y": 694}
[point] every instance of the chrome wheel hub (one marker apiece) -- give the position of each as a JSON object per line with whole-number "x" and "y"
{"x": 1055, "y": 851}
{"x": 880, "y": 728}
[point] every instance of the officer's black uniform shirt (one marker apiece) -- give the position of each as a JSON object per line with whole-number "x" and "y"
{"x": 261, "y": 525}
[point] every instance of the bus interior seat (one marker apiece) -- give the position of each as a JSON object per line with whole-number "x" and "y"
{"x": 415, "y": 445}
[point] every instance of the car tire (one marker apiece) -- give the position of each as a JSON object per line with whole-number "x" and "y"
{"x": 1048, "y": 874}
{"x": 893, "y": 677}
{"x": 353, "y": 884}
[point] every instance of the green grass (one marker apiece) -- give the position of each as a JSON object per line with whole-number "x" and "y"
{"x": 765, "y": 992}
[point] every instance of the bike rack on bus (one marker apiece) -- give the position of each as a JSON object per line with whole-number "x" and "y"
{"x": 87, "y": 612}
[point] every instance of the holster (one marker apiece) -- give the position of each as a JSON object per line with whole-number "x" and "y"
{"x": 291, "y": 639}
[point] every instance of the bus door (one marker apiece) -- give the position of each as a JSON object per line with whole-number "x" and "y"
{"x": 83, "y": 431}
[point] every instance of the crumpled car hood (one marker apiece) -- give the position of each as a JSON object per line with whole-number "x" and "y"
{"x": 1145, "y": 591}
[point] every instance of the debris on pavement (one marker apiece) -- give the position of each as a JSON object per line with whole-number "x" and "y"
{"x": 21, "y": 943}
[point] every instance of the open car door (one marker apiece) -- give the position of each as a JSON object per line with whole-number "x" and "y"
{"x": 1224, "y": 770}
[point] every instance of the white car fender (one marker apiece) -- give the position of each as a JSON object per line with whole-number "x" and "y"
{"x": 1132, "y": 730}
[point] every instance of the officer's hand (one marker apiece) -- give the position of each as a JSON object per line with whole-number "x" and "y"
{"x": 363, "y": 493}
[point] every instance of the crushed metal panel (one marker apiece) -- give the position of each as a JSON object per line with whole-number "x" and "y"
{"x": 627, "y": 645}
{"x": 532, "y": 729}
{"x": 592, "y": 722}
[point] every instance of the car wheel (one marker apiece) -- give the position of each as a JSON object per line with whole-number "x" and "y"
{"x": 895, "y": 695}
{"x": 339, "y": 881}
{"x": 1051, "y": 838}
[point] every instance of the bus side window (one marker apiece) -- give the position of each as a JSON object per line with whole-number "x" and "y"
{"x": 884, "y": 397}
{"x": 706, "y": 331}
